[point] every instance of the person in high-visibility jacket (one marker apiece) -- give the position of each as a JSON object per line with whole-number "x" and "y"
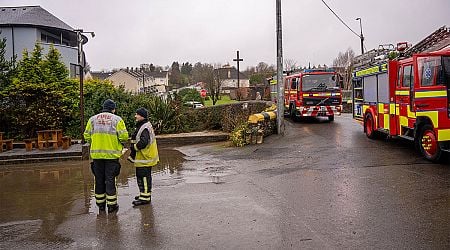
{"x": 106, "y": 133}
{"x": 144, "y": 154}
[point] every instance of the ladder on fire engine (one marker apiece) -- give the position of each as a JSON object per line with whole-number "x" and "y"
{"x": 435, "y": 41}
{"x": 374, "y": 56}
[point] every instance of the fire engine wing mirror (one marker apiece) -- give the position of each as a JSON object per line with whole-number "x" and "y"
{"x": 340, "y": 81}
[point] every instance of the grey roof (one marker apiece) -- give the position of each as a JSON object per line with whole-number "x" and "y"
{"x": 156, "y": 74}
{"x": 100, "y": 75}
{"x": 30, "y": 15}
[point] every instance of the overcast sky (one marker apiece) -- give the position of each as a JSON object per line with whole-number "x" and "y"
{"x": 132, "y": 32}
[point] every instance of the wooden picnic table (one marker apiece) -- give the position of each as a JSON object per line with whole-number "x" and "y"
{"x": 50, "y": 137}
{"x": 8, "y": 143}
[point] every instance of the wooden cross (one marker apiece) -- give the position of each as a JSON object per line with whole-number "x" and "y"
{"x": 237, "y": 59}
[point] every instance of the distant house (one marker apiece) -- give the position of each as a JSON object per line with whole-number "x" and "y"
{"x": 228, "y": 77}
{"x": 99, "y": 75}
{"x": 137, "y": 81}
{"x": 24, "y": 26}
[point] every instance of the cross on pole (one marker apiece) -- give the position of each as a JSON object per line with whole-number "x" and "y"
{"x": 237, "y": 59}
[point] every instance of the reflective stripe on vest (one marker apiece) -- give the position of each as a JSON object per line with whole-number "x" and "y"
{"x": 105, "y": 131}
{"x": 148, "y": 156}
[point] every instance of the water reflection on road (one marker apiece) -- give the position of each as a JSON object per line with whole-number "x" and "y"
{"x": 36, "y": 198}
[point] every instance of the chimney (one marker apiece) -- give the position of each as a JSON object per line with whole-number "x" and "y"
{"x": 128, "y": 69}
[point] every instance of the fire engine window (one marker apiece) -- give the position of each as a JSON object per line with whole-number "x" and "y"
{"x": 294, "y": 83}
{"x": 399, "y": 74}
{"x": 370, "y": 89}
{"x": 429, "y": 68}
{"x": 445, "y": 75}
{"x": 383, "y": 88}
{"x": 407, "y": 74}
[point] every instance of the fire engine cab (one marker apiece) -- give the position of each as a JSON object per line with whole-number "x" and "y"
{"x": 405, "y": 93}
{"x": 313, "y": 93}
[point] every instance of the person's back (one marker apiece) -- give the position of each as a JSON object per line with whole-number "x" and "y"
{"x": 106, "y": 132}
{"x": 105, "y": 144}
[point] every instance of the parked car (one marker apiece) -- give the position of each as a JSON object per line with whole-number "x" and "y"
{"x": 194, "y": 105}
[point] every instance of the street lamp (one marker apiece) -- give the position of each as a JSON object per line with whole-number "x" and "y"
{"x": 361, "y": 36}
{"x": 81, "y": 39}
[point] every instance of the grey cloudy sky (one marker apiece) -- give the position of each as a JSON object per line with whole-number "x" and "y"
{"x": 162, "y": 31}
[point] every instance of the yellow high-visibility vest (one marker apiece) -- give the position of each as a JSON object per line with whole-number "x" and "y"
{"x": 147, "y": 156}
{"x": 106, "y": 132}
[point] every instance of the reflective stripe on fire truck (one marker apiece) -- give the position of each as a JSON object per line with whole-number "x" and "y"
{"x": 322, "y": 110}
{"x": 383, "y": 109}
{"x": 411, "y": 114}
{"x": 433, "y": 115}
{"x": 430, "y": 94}
{"x": 401, "y": 92}
{"x": 443, "y": 134}
{"x": 392, "y": 108}
{"x": 403, "y": 121}
{"x": 322, "y": 94}
{"x": 372, "y": 70}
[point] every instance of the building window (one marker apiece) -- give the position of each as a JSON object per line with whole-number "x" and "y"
{"x": 74, "y": 71}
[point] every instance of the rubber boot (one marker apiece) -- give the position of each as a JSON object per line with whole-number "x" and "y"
{"x": 113, "y": 208}
{"x": 140, "y": 203}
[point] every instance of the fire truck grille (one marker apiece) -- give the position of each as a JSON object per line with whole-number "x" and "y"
{"x": 315, "y": 101}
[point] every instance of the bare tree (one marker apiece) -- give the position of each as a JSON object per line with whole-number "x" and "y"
{"x": 290, "y": 64}
{"x": 343, "y": 64}
{"x": 265, "y": 69}
{"x": 210, "y": 77}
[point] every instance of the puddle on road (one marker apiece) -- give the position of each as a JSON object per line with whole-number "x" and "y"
{"x": 46, "y": 194}
{"x": 43, "y": 196}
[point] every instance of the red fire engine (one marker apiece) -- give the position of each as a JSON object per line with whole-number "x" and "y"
{"x": 313, "y": 93}
{"x": 407, "y": 96}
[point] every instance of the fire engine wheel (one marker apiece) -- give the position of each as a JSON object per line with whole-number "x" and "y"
{"x": 429, "y": 145}
{"x": 331, "y": 118}
{"x": 369, "y": 126}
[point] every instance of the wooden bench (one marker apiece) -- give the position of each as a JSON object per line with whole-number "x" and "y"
{"x": 8, "y": 143}
{"x": 47, "y": 138}
{"x": 66, "y": 142}
{"x": 29, "y": 143}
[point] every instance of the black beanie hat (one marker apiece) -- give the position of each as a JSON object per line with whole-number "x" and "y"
{"x": 109, "y": 105}
{"x": 142, "y": 112}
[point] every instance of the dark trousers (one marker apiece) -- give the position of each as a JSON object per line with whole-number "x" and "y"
{"x": 144, "y": 181}
{"x": 105, "y": 172}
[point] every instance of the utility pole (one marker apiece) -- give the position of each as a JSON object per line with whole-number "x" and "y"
{"x": 361, "y": 36}
{"x": 81, "y": 67}
{"x": 81, "y": 64}
{"x": 280, "y": 84}
{"x": 143, "y": 80}
{"x": 237, "y": 59}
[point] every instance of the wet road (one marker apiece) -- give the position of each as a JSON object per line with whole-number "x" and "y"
{"x": 322, "y": 186}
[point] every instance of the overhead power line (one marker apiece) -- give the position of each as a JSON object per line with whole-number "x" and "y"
{"x": 341, "y": 19}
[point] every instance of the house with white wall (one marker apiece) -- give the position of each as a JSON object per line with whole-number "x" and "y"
{"x": 140, "y": 81}
{"x": 24, "y": 26}
{"x": 228, "y": 76}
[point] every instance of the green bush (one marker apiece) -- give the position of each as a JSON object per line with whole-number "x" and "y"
{"x": 39, "y": 95}
{"x": 190, "y": 95}
{"x": 237, "y": 136}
